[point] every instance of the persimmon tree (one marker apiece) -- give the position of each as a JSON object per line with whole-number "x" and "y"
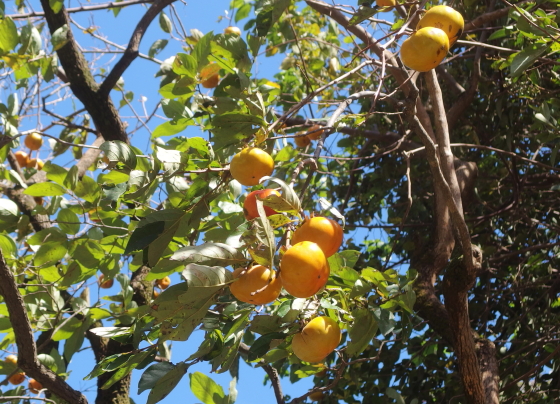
{"x": 446, "y": 183}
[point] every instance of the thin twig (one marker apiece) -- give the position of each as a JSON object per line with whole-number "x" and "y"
{"x": 103, "y": 6}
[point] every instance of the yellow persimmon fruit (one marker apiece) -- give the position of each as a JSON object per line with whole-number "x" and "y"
{"x": 35, "y": 163}
{"x": 326, "y": 232}
{"x": 302, "y": 141}
{"x": 155, "y": 294}
{"x": 163, "y": 283}
{"x": 17, "y": 378}
{"x": 232, "y": 30}
{"x": 316, "y": 132}
{"x": 250, "y": 205}
{"x": 445, "y": 18}
{"x": 22, "y": 158}
{"x": 250, "y": 165}
{"x": 209, "y": 77}
{"x": 11, "y": 359}
{"x": 386, "y": 3}
{"x": 34, "y": 386}
{"x": 425, "y": 49}
{"x": 33, "y": 141}
{"x": 304, "y": 269}
{"x": 258, "y": 285}
{"x": 317, "y": 339}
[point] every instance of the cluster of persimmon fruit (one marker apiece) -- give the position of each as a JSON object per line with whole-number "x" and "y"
{"x": 304, "y": 269}
{"x": 160, "y": 284}
{"x": 33, "y": 142}
{"x": 435, "y": 34}
{"x": 19, "y": 377}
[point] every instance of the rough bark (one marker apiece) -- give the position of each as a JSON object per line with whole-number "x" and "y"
{"x": 98, "y": 104}
{"x": 27, "y": 350}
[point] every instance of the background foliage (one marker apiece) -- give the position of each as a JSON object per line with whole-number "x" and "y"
{"x": 171, "y": 207}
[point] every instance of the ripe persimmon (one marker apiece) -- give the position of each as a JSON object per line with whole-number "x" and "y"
{"x": 425, "y": 49}
{"x": 232, "y": 30}
{"x": 105, "y": 284}
{"x": 33, "y": 141}
{"x": 17, "y": 378}
{"x": 163, "y": 283}
{"x": 302, "y": 141}
{"x": 317, "y": 339}
{"x": 11, "y": 359}
{"x": 250, "y": 165}
{"x": 304, "y": 269}
{"x": 316, "y": 132}
{"x": 22, "y": 158}
{"x": 258, "y": 285}
{"x": 386, "y": 3}
{"x": 35, "y": 163}
{"x": 155, "y": 294}
{"x": 326, "y": 232}
{"x": 34, "y": 386}
{"x": 250, "y": 205}
{"x": 209, "y": 77}
{"x": 445, "y": 18}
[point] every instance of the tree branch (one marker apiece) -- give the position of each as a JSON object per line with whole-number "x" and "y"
{"x": 400, "y": 74}
{"x": 103, "y": 6}
{"x": 27, "y": 350}
{"x": 131, "y": 51}
{"x": 83, "y": 85}
{"x": 271, "y": 372}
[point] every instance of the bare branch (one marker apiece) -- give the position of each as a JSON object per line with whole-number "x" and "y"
{"x": 27, "y": 350}
{"x": 131, "y": 51}
{"x": 103, "y": 6}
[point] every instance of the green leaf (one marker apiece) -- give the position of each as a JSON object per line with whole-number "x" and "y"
{"x": 390, "y": 392}
{"x": 165, "y": 23}
{"x": 110, "y": 332}
{"x": 55, "y": 173}
{"x": 385, "y": 319}
{"x": 45, "y": 189}
{"x": 68, "y": 221}
{"x": 157, "y": 47}
{"x": 289, "y": 201}
{"x": 171, "y": 128}
{"x": 143, "y": 236}
{"x": 185, "y": 64}
{"x": 209, "y": 254}
{"x": 269, "y": 14}
{"x": 206, "y": 389}
{"x": 59, "y": 37}
{"x": 56, "y": 5}
{"x": 131, "y": 364}
{"x": 117, "y": 151}
{"x": 182, "y": 307}
{"x": 87, "y": 189}
{"x": 363, "y": 14}
{"x": 70, "y": 326}
{"x": 50, "y": 253}
{"x": 153, "y": 374}
{"x": 526, "y": 58}
{"x": 167, "y": 383}
{"x": 361, "y": 332}
{"x": 8, "y": 246}
{"x": 205, "y": 276}
{"x": 262, "y": 345}
{"x": 8, "y": 35}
